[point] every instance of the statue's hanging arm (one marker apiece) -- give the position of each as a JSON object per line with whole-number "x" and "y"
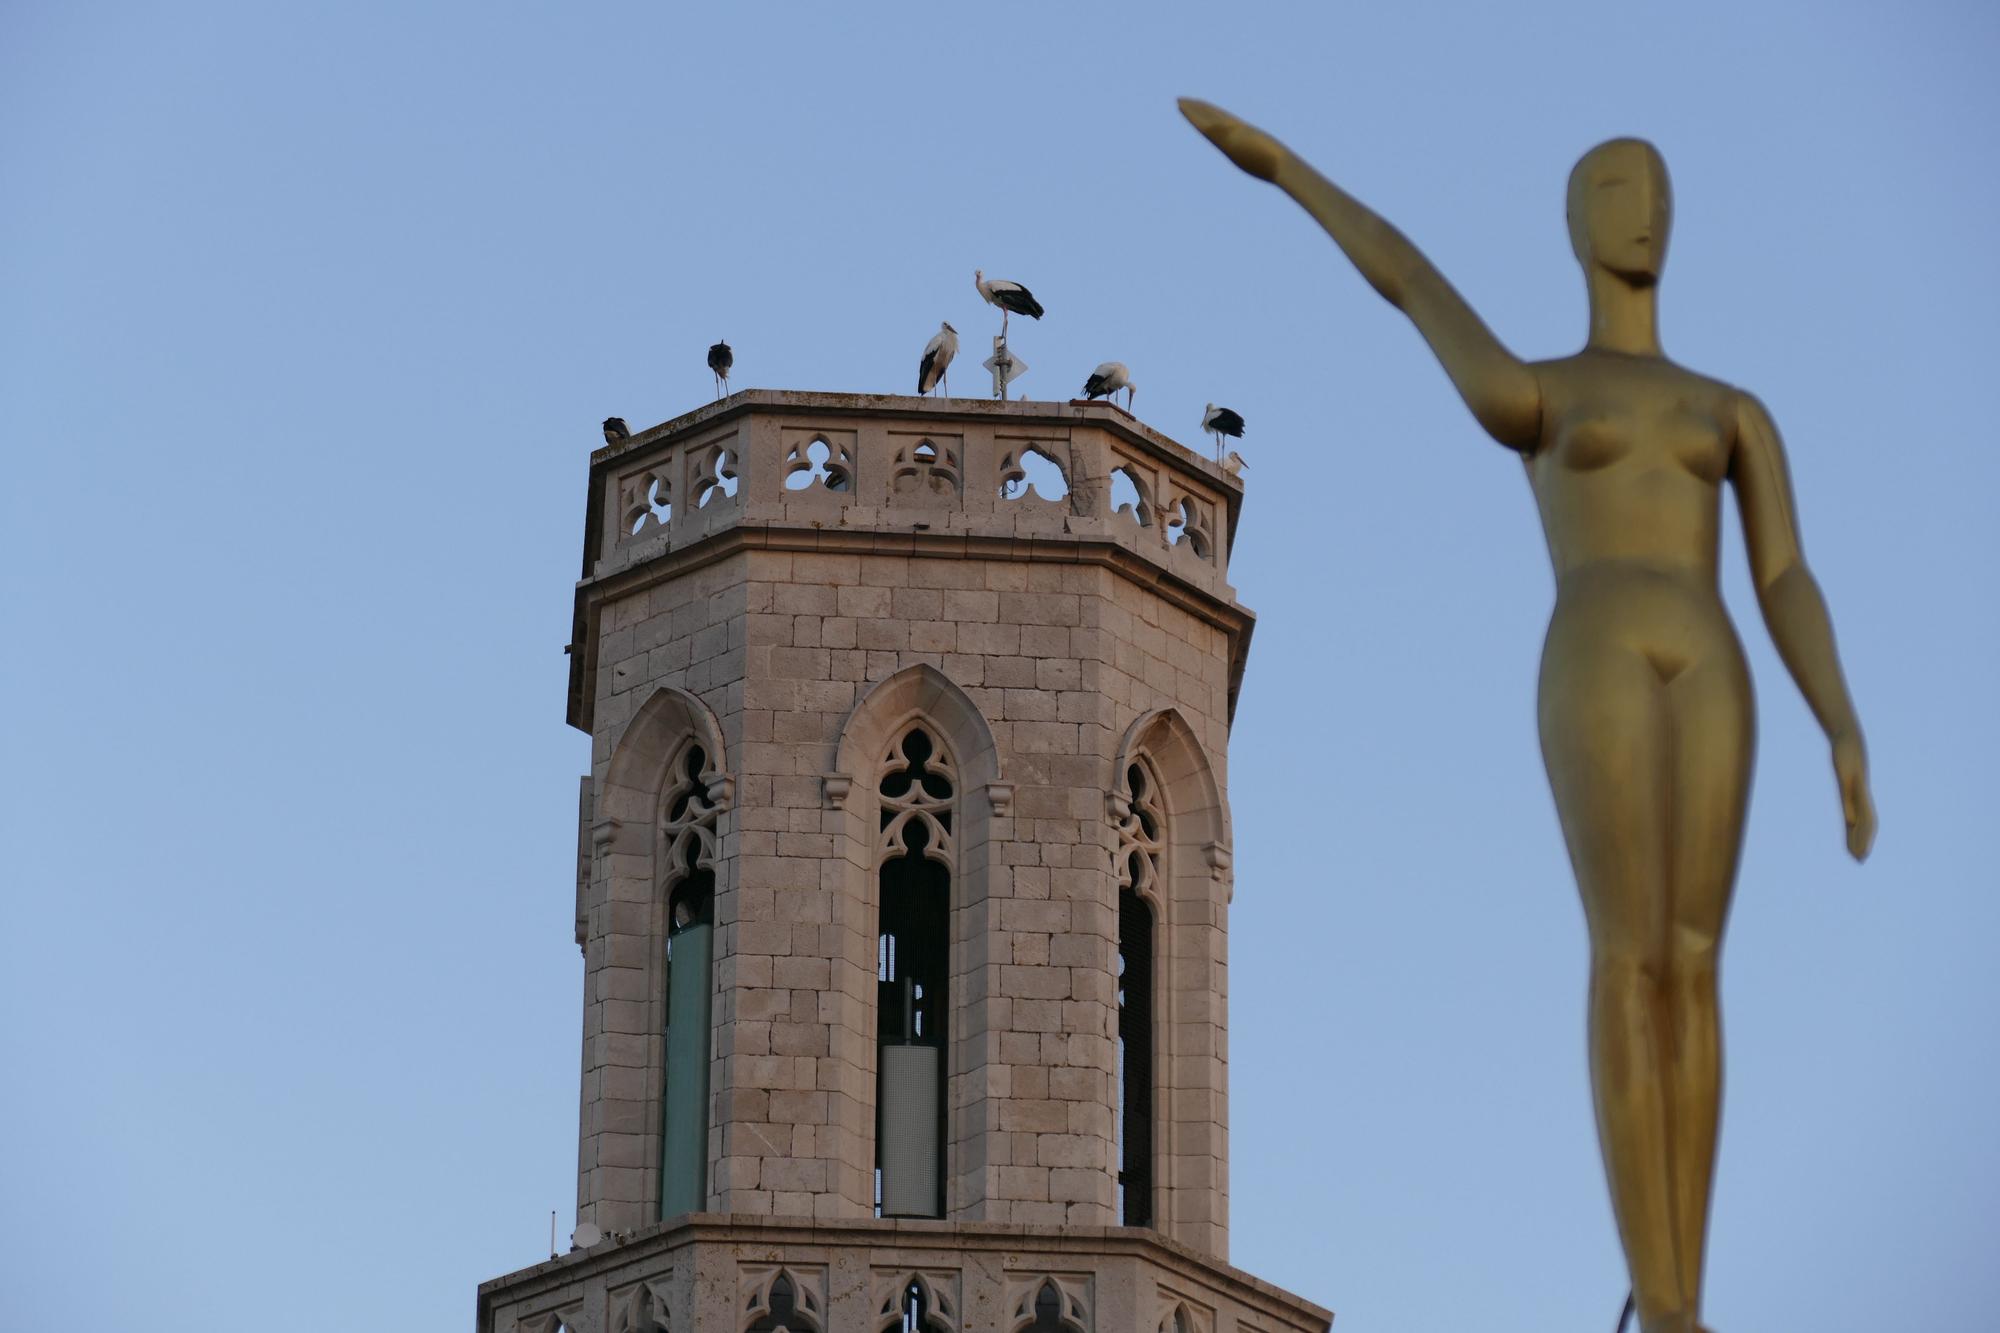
{"x": 1795, "y": 610}
{"x": 1499, "y": 388}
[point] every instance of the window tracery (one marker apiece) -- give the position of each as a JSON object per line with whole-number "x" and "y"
{"x": 640, "y": 1308}
{"x": 715, "y": 475}
{"x": 916, "y": 1303}
{"x": 1031, "y": 471}
{"x": 1131, "y": 495}
{"x": 819, "y": 463}
{"x": 1141, "y": 823}
{"x": 1048, "y": 1306}
{"x": 918, "y": 786}
{"x": 780, "y": 1301}
{"x": 562, "y": 1320}
{"x": 688, "y": 814}
{"x": 645, "y": 499}
{"x": 926, "y": 468}
{"x": 1189, "y": 527}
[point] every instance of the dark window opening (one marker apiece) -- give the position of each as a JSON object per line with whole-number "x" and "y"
{"x": 912, "y": 951}
{"x": 916, "y": 1310}
{"x": 690, "y": 950}
{"x": 1135, "y": 1060}
{"x": 912, "y": 970}
{"x": 1048, "y": 1312}
{"x": 784, "y": 1314}
{"x": 692, "y": 902}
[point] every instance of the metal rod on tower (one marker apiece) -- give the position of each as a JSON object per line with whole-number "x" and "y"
{"x": 1006, "y": 367}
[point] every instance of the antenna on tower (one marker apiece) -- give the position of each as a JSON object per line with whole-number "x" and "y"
{"x": 1006, "y": 367}
{"x": 552, "y": 1233}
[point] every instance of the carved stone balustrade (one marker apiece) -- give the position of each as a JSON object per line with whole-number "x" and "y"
{"x": 710, "y": 1273}
{"x": 867, "y": 473}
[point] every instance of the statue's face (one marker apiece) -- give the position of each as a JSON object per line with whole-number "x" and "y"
{"x": 1620, "y": 209}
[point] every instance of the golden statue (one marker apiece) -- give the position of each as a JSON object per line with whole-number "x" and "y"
{"x": 1646, "y": 717}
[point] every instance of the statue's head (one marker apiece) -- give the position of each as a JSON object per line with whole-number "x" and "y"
{"x": 1621, "y": 208}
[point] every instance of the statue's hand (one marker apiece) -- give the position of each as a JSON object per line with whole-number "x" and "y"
{"x": 1850, "y": 768}
{"x": 1247, "y": 146}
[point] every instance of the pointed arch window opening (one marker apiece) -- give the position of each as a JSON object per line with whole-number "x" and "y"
{"x": 1141, "y": 846}
{"x": 917, "y": 786}
{"x": 785, "y": 1308}
{"x": 687, "y": 844}
{"x": 1049, "y": 1310}
{"x": 917, "y": 1308}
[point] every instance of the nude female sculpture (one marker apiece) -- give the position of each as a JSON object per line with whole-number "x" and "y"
{"x": 1646, "y": 717}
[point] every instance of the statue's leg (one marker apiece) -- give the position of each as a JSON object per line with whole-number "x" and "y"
{"x": 1606, "y": 739}
{"x": 1714, "y": 740}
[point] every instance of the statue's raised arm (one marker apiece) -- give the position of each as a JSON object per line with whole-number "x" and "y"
{"x": 1643, "y": 704}
{"x": 1500, "y": 389}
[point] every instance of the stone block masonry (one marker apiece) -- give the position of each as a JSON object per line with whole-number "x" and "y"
{"x": 779, "y": 590}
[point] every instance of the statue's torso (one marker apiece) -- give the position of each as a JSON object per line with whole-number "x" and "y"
{"x": 1628, "y": 477}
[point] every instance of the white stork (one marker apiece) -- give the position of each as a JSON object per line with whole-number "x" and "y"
{"x": 1108, "y": 379}
{"x": 1220, "y": 421}
{"x": 1234, "y": 464}
{"x": 720, "y": 359}
{"x": 938, "y": 353}
{"x": 1011, "y": 297}
{"x": 615, "y": 430}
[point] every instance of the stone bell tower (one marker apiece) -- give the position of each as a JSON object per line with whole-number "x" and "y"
{"x": 903, "y": 879}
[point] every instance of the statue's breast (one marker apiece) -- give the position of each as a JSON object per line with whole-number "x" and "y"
{"x": 1696, "y": 440}
{"x": 1589, "y": 440}
{"x": 1684, "y": 436}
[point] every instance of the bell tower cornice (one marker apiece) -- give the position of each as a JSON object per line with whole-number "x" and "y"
{"x": 741, "y": 474}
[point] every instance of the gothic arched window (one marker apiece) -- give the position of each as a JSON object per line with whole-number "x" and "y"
{"x": 1141, "y": 843}
{"x": 1047, "y": 1308}
{"x": 784, "y": 1307}
{"x": 687, "y": 854}
{"x": 918, "y": 1311}
{"x": 917, "y": 784}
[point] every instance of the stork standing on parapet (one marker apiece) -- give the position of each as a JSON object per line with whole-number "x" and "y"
{"x": 1011, "y": 297}
{"x": 1220, "y": 421}
{"x": 1108, "y": 379}
{"x": 615, "y": 430}
{"x": 720, "y": 359}
{"x": 938, "y": 353}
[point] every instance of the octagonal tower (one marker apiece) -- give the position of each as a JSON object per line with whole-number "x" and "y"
{"x": 903, "y": 877}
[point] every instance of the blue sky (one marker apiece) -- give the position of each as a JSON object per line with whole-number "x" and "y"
{"x": 307, "y": 317}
